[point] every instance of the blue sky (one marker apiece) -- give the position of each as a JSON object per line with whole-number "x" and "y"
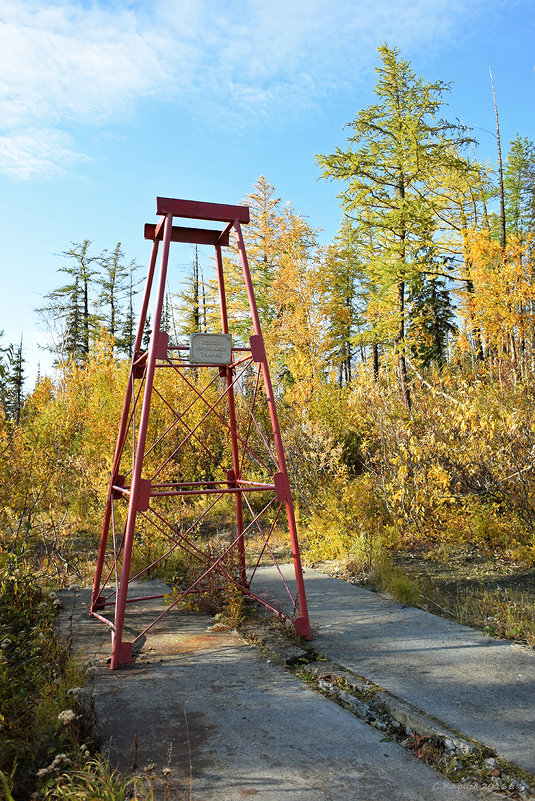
{"x": 105, "y": 105}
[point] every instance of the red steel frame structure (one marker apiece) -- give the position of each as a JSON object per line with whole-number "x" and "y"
{"x": 140, "y": 494}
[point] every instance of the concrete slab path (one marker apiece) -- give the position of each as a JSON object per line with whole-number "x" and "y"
{"x": 481, "y": 687}
{"x": 205, "y": 704}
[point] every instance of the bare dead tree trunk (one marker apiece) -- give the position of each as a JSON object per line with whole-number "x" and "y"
{"x": 375, "y": 361}
{"x": 400, "y": 343}
{"x": 500, "y": 168}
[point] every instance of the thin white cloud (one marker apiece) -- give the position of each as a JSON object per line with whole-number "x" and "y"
{"x": 60, "y": 61}
{"x": 65, "y": 64}
{"x": 41, "y": 152}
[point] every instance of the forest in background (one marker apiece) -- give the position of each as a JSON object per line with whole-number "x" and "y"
{"x": 403, "y": 354}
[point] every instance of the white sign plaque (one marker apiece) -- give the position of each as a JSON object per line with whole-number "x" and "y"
{"x": 210, "y": 348}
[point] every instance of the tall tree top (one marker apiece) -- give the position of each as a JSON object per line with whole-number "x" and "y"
{"x": 394, "y": 152}
{"x": 398, "y": 139}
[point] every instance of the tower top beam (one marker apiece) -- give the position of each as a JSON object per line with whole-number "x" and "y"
{"x": 197, "y": 210}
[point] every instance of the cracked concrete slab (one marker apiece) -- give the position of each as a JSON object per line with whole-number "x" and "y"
{"x": 481, "y": 687}
{"x": 230, "y": 724}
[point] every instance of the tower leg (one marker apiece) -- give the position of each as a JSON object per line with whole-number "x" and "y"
{"x": 302, "y": 624}
{"x": 123, "y": 427}
{"x": 236, "y": 469}
{"x": 121, "y": 651}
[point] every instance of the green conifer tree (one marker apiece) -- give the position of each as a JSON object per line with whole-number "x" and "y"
{"x": 14, "y": 384}
{"x": 117, "y": 287}
{"x": 519, "y": 186}
{"x": 431, "y": 319}
{"x": 67, "y": 312}
{"x": 396, "y": 147}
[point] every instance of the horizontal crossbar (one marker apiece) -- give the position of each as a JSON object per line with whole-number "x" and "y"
{"x": 170, "y": 493}
{"x": 191, "y": 236}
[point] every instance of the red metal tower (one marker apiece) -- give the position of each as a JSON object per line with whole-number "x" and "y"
{"x": 217, "y": 384}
